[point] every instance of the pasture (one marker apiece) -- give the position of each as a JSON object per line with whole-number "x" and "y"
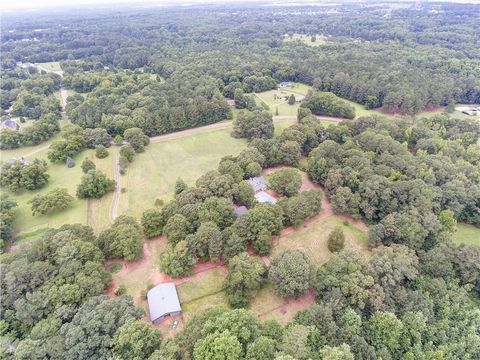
{"x": 309, "y": 40}
{"x": 311, "y": 238}
{"x": 154, "y": 172}
{"x": 51, "y": 66}
{"x": 81, "y": 211}
{"x": 466, "y": 234}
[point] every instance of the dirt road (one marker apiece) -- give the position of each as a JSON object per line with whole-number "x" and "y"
{"x": 118, "y": 188}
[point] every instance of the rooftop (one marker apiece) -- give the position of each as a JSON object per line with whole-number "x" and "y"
{"x": 9, "y": 123}
{"x": 258, "y": 183}
{"x": 163, "y": 300}
{"x": 241, "y": 210}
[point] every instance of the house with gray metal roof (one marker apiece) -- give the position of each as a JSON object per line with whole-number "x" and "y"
{"x": 258, "y": 183}
{"x": 162, "y": 302}
{"x": 9, "y": 124}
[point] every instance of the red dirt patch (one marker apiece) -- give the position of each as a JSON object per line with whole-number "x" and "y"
{"x": 285, "y": 312}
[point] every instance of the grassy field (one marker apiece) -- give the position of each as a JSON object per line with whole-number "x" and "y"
{"x": 275, "y": 99}
{"x": 456, "y": 114}
{"x": 153, "y": 173}
{"x": 60, "y": 176}
{"x": 312, "y": 239}
{"x": 306, "y": 39}
{"x": 467, "y": 234}
{"x": 51, "y": 66}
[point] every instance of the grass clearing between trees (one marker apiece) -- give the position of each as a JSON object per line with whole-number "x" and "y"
{"x": 466, "y": 234}
{"x": 306, "y": 39}
{"x": 51, "y": 66}
{"x": 312, "y": 239}
{"x": 153, "y": 173}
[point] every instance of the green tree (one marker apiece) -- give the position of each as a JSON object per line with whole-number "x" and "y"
{"x": 245, "y": 194}
{"x": 245, "y": 277}
{"x": 291, "y": 273}
{"x": 135, "y": 340}
{"x": 341, "y": 352}
{"x": 180, "y": 186}
{"x": 336, "y": 240}
{"x": 152, "y": 223}
{"x": 291, "y": 99}
{"x": 385, "y": 330}
{"x": 122, "y": 240}
{"x": 177, "y": 261}
{"x": 255, "y": 124}
{"x": 57, "y": 199}
{"x": 176, "y": 229}
{"x": 295, "y": 341}
{"x": 87, "y": 165}
{"x": 253, "y": 169}
{"x": 94, "y": 184}
{"x": 92, "y": 329}
{"x": 101, "y": 152}
{"x": 127, "y": 151}
{"x": 263, "y": 244}
{"x": 286, "y": 182}
{"x": 218, "y": 346}
{"x": 136, "y": 138}
{"x": 263, "y": 348}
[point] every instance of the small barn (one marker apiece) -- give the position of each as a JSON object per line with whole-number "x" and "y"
{"x": 258, "y": 183}
{"x": 299, "y": 98}
{"x": 285, "y": 84}
{"x": 9, "y": 124}
{"x": 162, "y": 302}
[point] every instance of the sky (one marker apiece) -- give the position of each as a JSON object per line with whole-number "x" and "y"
{"x": 39, "y": 4}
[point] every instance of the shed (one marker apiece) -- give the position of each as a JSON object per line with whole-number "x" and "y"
{"x": 299, "y": 98}
{"x": 258, "y": 183}
{"x": 9, "y": 124}
{"x": 231, "y": 102}
{"x": 162, "y": 302}
{"x": 241, "y": 210}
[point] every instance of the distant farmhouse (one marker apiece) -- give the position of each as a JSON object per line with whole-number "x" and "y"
{"x": 285, "y": 84}
{"x": 9, "y": 124}
{"x": 231, "y": 102}
{"x": 470, "y": 111}
{"x": 163, "y": 302}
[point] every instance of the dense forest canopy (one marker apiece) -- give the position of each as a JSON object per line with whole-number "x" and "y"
{"x": 401, "y": 58}
{"x": 136, "y": 73}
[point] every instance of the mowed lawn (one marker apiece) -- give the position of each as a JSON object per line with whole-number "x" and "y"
{"x": 60, "y": 177}
{"x": 467, "y": 234}
{"x": 275, "y": 99}
{"x": 51, "y": 66}
{"x": 312, "y": 239}
{"x": 153, "y": 173}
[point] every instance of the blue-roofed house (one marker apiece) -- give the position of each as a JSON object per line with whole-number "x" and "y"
{"x": 162, "y": 302}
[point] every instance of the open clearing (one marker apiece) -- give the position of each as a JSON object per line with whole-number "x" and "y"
{"x": 319, "y": 39}
{"x": 311, "y": 238}
{"x": 467, "y": 234}
{"x": 53, "y": 66}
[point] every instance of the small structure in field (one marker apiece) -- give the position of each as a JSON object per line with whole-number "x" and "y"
{"x": 285, "y": 84}
{"x": 258, "y": 183}
{"x": 70, "y": 162}
{"x": 241, "y": 210}
{"x": 299, "y": 98}
{"x": 162, "y": 302}
{"x": 469, "y": 110}
{"x": 231, "y": 102}
{"x": 9, "y": 124}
